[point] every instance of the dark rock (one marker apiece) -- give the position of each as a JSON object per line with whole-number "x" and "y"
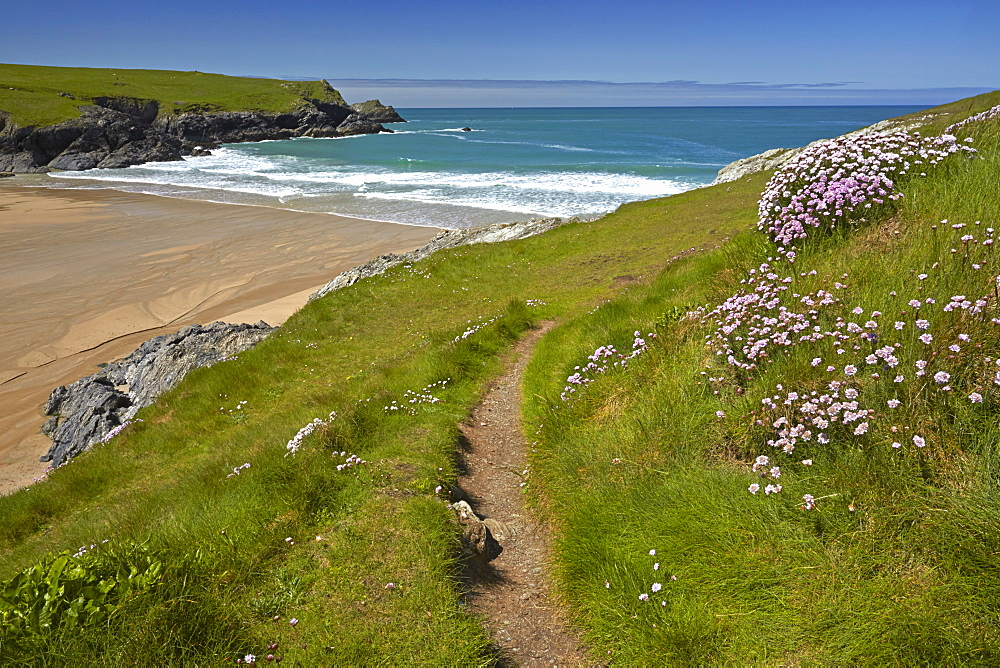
{"x": 85, "y": 412}
{"x": 75, "y": 162}
{"x": 358, "y": 124}
{"x": 143, "y": 110}
{"x": 82, "y": 414}
{"x": 199, "y": 151}
{"x": 20, "y": 163}
{"x": 377, "y": 111}
{"x": 86, "y": 142}
{"x": 56, "y": 398}
{"x": 216, "y": 128}
{"x": 122, "y": 131}
{"x": 466, "y": 129}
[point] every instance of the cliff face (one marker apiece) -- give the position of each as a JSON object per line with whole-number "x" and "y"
{"x": 118, "y": 132}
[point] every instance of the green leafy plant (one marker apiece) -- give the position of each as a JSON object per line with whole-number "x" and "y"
{"x": 73, "y": 590}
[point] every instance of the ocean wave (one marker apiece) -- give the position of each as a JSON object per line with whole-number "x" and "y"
{"x": 279, "y": 184}
{"x": 562, "y": 182}
{"x": 244, "y": 173}
{"x": 563, "y": 147}
{"x": 200, "y": 184}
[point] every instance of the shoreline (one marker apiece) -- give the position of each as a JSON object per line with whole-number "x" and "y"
{"x": 88, "y": 275}
{"x": 47, "y": 182}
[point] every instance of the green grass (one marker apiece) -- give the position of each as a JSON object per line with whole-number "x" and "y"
{"x": 896, "y": 565}
{"x": 32, "y": 94}
{"x": 163, "y": 482}
{"x": 935, "y": 120}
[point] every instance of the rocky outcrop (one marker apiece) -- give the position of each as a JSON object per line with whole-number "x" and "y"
{"x": 779, "y": 157}
{"x": 87, "y": 411}
{"x": 99, "y": 138}
{"x": 377, "y": 111}
{"x": 359, "y": 124}
{"x": 445, "y": 239}
{"x": 118, "y": 132}
{"x": 772, "y": 159}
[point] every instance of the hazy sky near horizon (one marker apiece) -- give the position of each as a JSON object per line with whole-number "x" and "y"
{"x": 763, "y": 46}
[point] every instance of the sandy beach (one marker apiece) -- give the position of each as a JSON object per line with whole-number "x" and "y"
{"x": 87, "y": 275}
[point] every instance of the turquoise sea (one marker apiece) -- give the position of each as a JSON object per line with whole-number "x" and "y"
{"x": 514, "y": 164}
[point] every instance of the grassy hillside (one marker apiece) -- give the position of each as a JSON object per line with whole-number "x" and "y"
{"x": 892, "y": 561}
{"x": 163, "y": 484}
{"x": 38, "y": 95}
{"x": 874, "y": 427}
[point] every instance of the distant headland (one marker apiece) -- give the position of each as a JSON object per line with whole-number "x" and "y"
{"x": 74, "y": 118}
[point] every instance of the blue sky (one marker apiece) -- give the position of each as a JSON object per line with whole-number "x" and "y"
{"x": 770, "y": 49}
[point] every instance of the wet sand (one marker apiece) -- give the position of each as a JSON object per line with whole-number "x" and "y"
{"x": 88, "y": 275}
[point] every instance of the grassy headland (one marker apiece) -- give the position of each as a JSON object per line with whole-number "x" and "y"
{"x": 893, "y": 562}
{"x": 39, "y": 95}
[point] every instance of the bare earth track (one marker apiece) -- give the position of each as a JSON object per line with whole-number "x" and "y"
{"x": 514, "y": 597}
